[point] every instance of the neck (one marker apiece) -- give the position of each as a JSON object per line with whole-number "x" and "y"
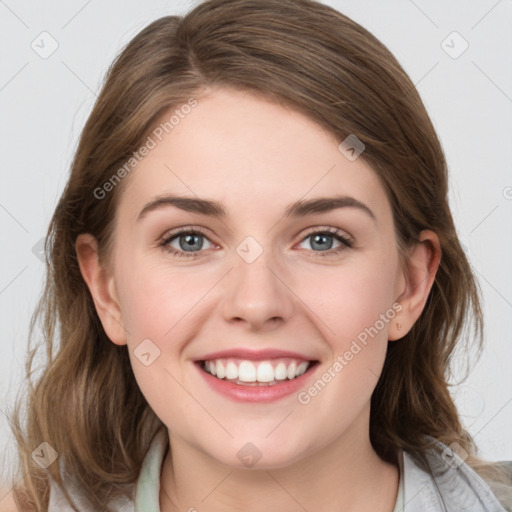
{"x": 341, "y": 473}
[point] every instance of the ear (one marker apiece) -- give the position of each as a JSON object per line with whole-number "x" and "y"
{"x": 419, "y": 274}
{"x": 102, "y": 288}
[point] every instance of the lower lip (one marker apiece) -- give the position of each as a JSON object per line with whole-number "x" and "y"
{"x": 257, "y": 394}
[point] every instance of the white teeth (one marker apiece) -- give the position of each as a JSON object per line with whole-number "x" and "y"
{"x": 247, "y": 372}
{"x": 231, "y": 370}
{"x": 265, "y": 372}
{"x": 291, "y": 372}
{"x": 280, "y": 372}
{"x": 221, "y": 372}
{"x": 302, "y": 368}
{"x": 252, "y": 373}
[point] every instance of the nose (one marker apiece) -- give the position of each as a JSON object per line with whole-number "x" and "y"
{"x": 257, "y": 294}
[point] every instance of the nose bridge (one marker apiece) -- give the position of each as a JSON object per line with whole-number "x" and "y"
{"x": 256, "y": 292}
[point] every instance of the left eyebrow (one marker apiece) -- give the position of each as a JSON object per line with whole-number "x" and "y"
{"x": 212, "y": 208}
{"x": 325, "y": 204}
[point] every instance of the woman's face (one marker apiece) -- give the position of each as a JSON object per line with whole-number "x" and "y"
{"x": 255, "y": 293}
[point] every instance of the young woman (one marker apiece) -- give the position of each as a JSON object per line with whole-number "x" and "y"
{"x": 255, "y": 285}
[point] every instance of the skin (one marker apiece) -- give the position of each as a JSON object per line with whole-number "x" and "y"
{"x": 257, "y": 157}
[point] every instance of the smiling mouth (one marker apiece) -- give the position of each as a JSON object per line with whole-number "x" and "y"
{"x": 256, "y": 373}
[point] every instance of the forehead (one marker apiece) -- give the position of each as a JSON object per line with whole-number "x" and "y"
{"x": 249, "y": 153}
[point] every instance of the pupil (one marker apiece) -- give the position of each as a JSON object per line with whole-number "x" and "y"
{"x": 190, "y": 242}
{"x": 322, "y": 237}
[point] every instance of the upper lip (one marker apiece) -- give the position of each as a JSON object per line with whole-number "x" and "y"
{"x": 255, "y": 355}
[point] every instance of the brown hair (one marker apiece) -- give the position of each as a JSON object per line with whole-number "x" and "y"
{"x": 86, "y": 403}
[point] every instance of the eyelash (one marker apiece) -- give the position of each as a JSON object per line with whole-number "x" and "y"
{"x": 346, "y": 243}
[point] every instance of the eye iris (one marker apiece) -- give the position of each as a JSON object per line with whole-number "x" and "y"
{"x": 189, "y": 244}
{"x": 321, "y": 237}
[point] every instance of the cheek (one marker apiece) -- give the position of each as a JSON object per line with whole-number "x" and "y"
{"x": 355, "y": 297}
{"x": 157, "y": 306}
{"x": 157, "y": 300}
{"x": 356, "y": 305}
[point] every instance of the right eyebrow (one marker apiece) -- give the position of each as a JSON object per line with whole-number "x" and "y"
{"x": 188, "y": 204}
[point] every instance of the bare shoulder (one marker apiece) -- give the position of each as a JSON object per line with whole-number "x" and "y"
{"x": 7, "y": 503}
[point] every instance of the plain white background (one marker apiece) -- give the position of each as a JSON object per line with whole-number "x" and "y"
{"x": 44, "y": 103}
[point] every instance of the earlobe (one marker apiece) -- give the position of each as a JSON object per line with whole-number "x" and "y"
{"x": 419, "y": 275}
{"x": 102, "y": 288}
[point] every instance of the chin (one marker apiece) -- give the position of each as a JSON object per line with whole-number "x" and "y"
{"x": 259, "y": 454}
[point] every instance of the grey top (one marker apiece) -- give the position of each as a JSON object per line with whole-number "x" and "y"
{"x": 450, "y": 486}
